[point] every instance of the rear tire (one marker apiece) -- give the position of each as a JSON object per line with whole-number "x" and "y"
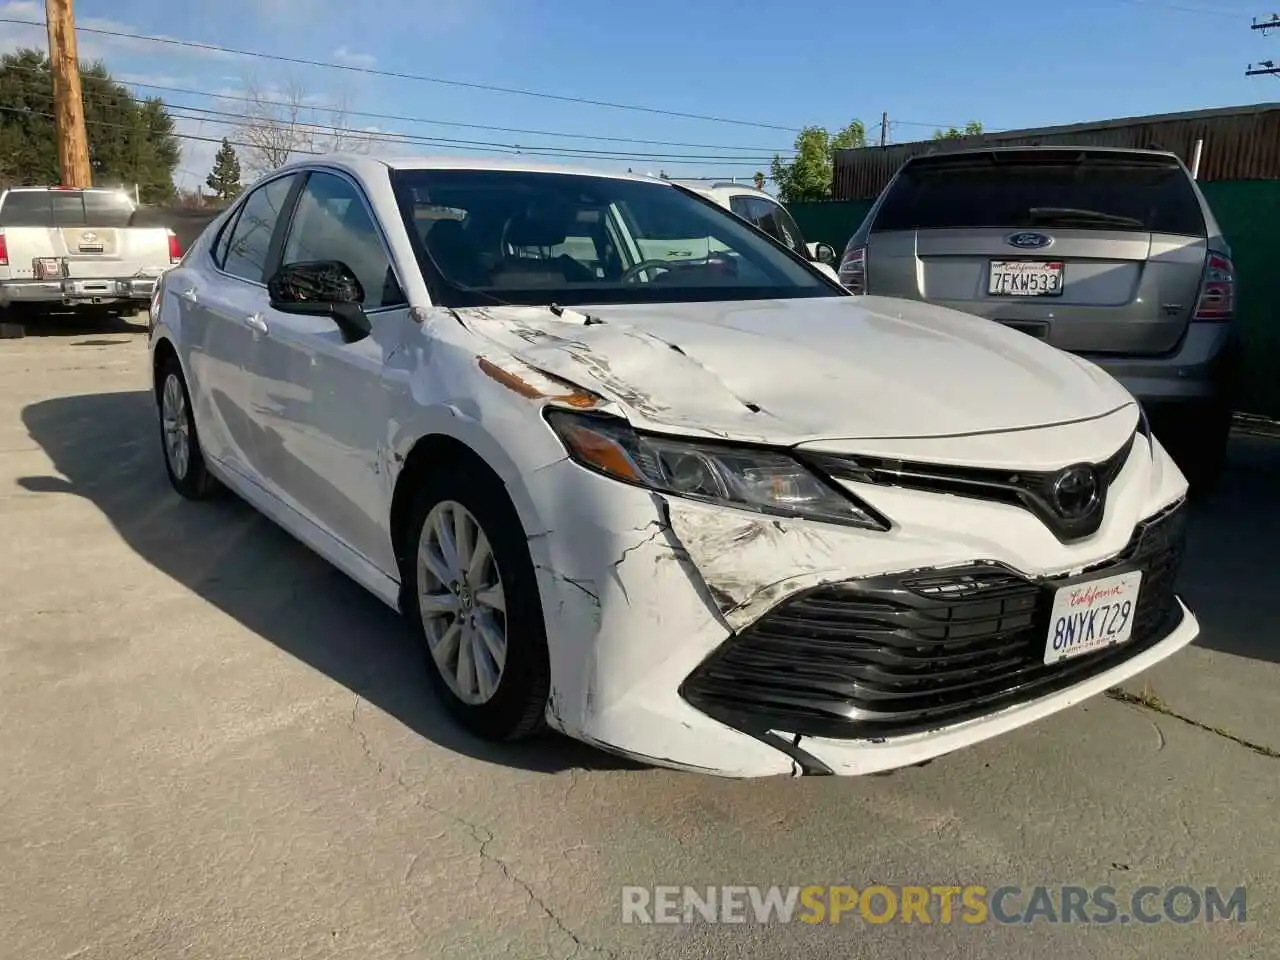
{"x": 179, "y": 441}
{"x": 476, "y": 608}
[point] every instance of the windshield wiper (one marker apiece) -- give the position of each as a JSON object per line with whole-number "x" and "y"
{"x": 1044, "y": 215}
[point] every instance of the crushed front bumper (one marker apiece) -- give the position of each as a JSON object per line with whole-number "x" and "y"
{"x": 711, "y": 639}
{"x": 903, "y": 654}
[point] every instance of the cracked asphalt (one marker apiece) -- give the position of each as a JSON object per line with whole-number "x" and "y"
{"x": 217, "y": 746}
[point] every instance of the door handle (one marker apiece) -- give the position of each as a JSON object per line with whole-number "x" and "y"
{"x": 257, "y": 323}
{"x": 189, "y": 295}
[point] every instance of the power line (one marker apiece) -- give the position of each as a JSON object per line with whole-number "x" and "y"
{"x": 235, "y": 121}
{"x": 386, "y": 136}
{"x": 1182, "y": 8}
{"x": 397, "y": 75}
{"x": 242, "y": 123}
{"x": 929, "y": 123}
{"x": 402, "y": 118}
{"x": 125, "y": 126}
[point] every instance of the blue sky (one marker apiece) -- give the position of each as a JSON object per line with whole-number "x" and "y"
{"x": 926, "y": 63}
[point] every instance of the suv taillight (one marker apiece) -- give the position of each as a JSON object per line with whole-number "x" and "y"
{"x": 1218, "y": 291}
{"x": 175, "y": 248}
{"x": 853, "y": 270}
{"x": 4, "y": 251}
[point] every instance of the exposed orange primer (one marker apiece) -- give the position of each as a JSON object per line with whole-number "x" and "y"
{"x": 576, "y": 397}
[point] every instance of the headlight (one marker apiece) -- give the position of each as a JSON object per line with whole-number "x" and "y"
{"x": 766, "y": 481}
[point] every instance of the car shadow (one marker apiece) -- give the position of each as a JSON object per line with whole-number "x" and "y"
{"x": 74, "y": 324}
{"x": 1229, "y": 573}
{"x": 253, "y": 571}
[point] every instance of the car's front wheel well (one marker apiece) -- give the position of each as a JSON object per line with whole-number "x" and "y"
{"x": 432, "y": 452}
{"x": 161, "y": 355}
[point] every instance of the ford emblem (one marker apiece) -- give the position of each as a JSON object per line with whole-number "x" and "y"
{"x": 1028, "y": 241}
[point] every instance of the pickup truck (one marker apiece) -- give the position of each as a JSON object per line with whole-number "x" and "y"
{"x": 64, "y": 248}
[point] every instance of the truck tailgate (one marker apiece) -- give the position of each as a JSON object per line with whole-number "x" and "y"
{"x": 102, "y": 252}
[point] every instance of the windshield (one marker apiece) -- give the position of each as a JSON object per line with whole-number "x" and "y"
{"x": 1066, "y": 189}
{"x": 538, "y": 238}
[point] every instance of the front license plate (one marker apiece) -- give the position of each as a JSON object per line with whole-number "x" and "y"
{"x": 1092, "y": 615}
{"x": 1023, "y": 278}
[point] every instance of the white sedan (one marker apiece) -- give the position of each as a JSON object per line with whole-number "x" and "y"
{"x": 635, "y": 472}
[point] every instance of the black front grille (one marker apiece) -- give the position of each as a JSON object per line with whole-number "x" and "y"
{"x": 889, "y": 655}
{"x": 1029, "y": 489}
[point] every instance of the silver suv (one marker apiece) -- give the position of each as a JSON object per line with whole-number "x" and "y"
{"x": 1111, "y": 254}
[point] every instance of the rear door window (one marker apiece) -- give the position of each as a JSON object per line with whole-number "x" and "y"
{"x": 26, "y": 208}
{"x": 104, "y": 208}
{"x": 778, "y": 222}
{"x": 1067, "y": 190}
{"x": 770, "y": 217}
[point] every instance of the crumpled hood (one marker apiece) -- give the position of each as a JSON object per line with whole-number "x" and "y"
{"x": 791, "y": 371}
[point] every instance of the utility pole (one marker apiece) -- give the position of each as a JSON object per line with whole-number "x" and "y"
{"x": 884, "y": 129}
{"x": 1265, "y": 67}
{"x": 68, "y": 102}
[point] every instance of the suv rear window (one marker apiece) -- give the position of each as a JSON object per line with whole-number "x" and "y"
{"x": 65, "y": 208}
{"x": 1021, "y": 190}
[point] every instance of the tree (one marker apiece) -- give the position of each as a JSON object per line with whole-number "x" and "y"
{"x": 224, "y": 178}
{"x": 131, "y": 141}
{"x": 809, "y": 174}
{"x": 278, "y": 127}
{"x": 971, "y": 129}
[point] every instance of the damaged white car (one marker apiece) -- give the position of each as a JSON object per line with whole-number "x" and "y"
{"x": 634, "y": 471}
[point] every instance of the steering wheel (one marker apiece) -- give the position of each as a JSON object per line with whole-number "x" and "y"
{"x": 636, "y": 269}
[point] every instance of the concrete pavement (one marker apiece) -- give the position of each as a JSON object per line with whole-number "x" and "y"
{"x": 217, "y": 746}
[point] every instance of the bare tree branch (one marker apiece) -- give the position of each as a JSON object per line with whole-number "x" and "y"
{"x": 274, "y": 127}
{"x": 278, "y": 126}
{"x": 344, "y": 139}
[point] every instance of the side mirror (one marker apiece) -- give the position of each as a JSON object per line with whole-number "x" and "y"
{"x": 322, "y": 288}
{"x": 824, "y": 253}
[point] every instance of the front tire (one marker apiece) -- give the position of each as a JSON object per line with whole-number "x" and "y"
{"x": 183, "y": 460}
{"x": 472, "y": 597}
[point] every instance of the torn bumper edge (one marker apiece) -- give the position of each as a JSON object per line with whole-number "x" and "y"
{"x": 860, "y": 757}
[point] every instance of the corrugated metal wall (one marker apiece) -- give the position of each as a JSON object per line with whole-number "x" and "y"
{"x": 1239, "y": 144}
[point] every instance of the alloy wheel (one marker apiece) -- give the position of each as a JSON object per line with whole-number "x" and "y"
{"x": 177, "y": 434}
{"x": 462, "y": 603}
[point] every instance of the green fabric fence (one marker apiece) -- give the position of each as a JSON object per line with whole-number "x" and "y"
{"x": 1249, "y": 214}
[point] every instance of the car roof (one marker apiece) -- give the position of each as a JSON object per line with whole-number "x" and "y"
{"x": 376, "y": 163}
{"x": 722, "y": 186}
{"x": 1043, "y": 147}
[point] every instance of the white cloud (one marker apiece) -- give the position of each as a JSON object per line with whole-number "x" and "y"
{"x": 351, "y": 59}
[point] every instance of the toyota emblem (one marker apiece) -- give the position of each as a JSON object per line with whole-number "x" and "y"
{"x": 1076, "y": 492}
{"x": 89, "y": 237}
